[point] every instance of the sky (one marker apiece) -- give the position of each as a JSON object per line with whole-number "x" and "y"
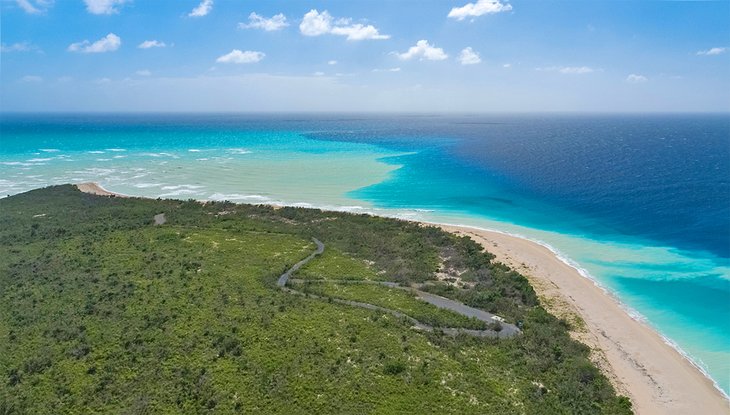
{"x": 379, "y": 56}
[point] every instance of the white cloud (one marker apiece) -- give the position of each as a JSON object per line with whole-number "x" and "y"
{"x": 576, "y": 70}
{"x": 636, "y": 79}
{"x": 276, "y": 22}
{"x": 315, "y": 23}
{"x": 712, "y": 51}
{"x": 332, "y": 62}
{"x": 31, "y": 78}
{"x": 34, "y": 6}
{"x": 568, "y": 70}
{"x": 237, "y": 56}
{"x": 387, "y": 70}
{"x": 102, "y": 81}
{"x": 147, "y": 44}
{"x": 479, "y": 8}
{"x": 202, "y": 9}
{"x": 319, "y": 73}
{"x": 423, "y": 50}
{"x": 359, "y": 32}
{"x": 103, "y": 6}
{"x": 18, "y": 47}
{"x": 143, "y": 72}
{"x": 469, "y": 57}
{"x": 109, "y": 43}
{"x": 507, "y": 65}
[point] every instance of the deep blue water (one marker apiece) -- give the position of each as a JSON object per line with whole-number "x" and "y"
{"x": 662, "y": 177}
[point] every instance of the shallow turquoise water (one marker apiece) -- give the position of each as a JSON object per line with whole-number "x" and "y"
{"x": 653, "y": 236}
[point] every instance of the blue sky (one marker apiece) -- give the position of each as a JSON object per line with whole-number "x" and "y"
{"x": 463, "y": 55}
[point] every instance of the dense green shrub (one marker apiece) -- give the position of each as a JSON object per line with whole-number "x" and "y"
{"x": 101, "y": 312}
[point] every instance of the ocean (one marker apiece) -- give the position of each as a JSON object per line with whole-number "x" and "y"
{"x": 639, "y": 203}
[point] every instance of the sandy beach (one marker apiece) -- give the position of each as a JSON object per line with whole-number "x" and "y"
{"x": 96, "y": 189}
{"x": 637, "y": 360}
{"x": 657, "y": 378}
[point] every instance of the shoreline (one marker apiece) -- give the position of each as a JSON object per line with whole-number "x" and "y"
{"x": 96, "y": 189}
{"x": 639, "y": 361}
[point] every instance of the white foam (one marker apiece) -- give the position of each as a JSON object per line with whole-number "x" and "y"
{"x": 95, "y": 152}
{"x": 146, "y": 185}
{"x": 237, "y": 196}
{"x": 35, "y": 160}
{"x": 179, "y": 192}
{"x": 49, "y": 150}
{"x": 20, "y": 163}
{"x": 239, "y": 151}
{"x": 95, "y": 171}
{"x": 116, "y": 149}
{"x": 157, "y": 155}
{"x": 182, "y": 186}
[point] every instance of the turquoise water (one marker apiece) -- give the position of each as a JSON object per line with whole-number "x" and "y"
{"x": 639, "y": 204}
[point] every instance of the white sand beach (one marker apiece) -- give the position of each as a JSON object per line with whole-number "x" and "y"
{"x": 640, "y": 364}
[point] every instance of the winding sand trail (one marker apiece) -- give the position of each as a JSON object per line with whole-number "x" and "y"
{"x": 508, "y": 330}
{"x": 637, "y": 360}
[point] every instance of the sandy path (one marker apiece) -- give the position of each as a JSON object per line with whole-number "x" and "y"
{"x": 637, "y": 360}
{"x": 507, "y": 330}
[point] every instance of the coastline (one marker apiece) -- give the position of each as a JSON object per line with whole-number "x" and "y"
{"x": 639, "y": 362}
{"x": 96, "y": 189}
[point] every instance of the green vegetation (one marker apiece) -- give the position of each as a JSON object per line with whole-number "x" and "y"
{"x": 394, "y": 299}
{"x": 102, "y": 312}
{"x": 334, "y": 265}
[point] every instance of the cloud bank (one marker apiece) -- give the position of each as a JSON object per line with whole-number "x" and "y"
{"x": 103, "y": 6}
{"x": 469, "y": 57}
{"x": 636, "y": 79}
{"x": 202, "y": 9}
{"x": 108, "y": 43}
{"x": 255, "y": 21}
{"x": 148, "y": 44}
{"x": 712, "y": 51}
{"x": 34, "y": 6}
{"x": 423, "y": 51}
{"x": 315, "y": 23}
{"x": 479, "y": 8}
{"x": 238, "y": 56}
